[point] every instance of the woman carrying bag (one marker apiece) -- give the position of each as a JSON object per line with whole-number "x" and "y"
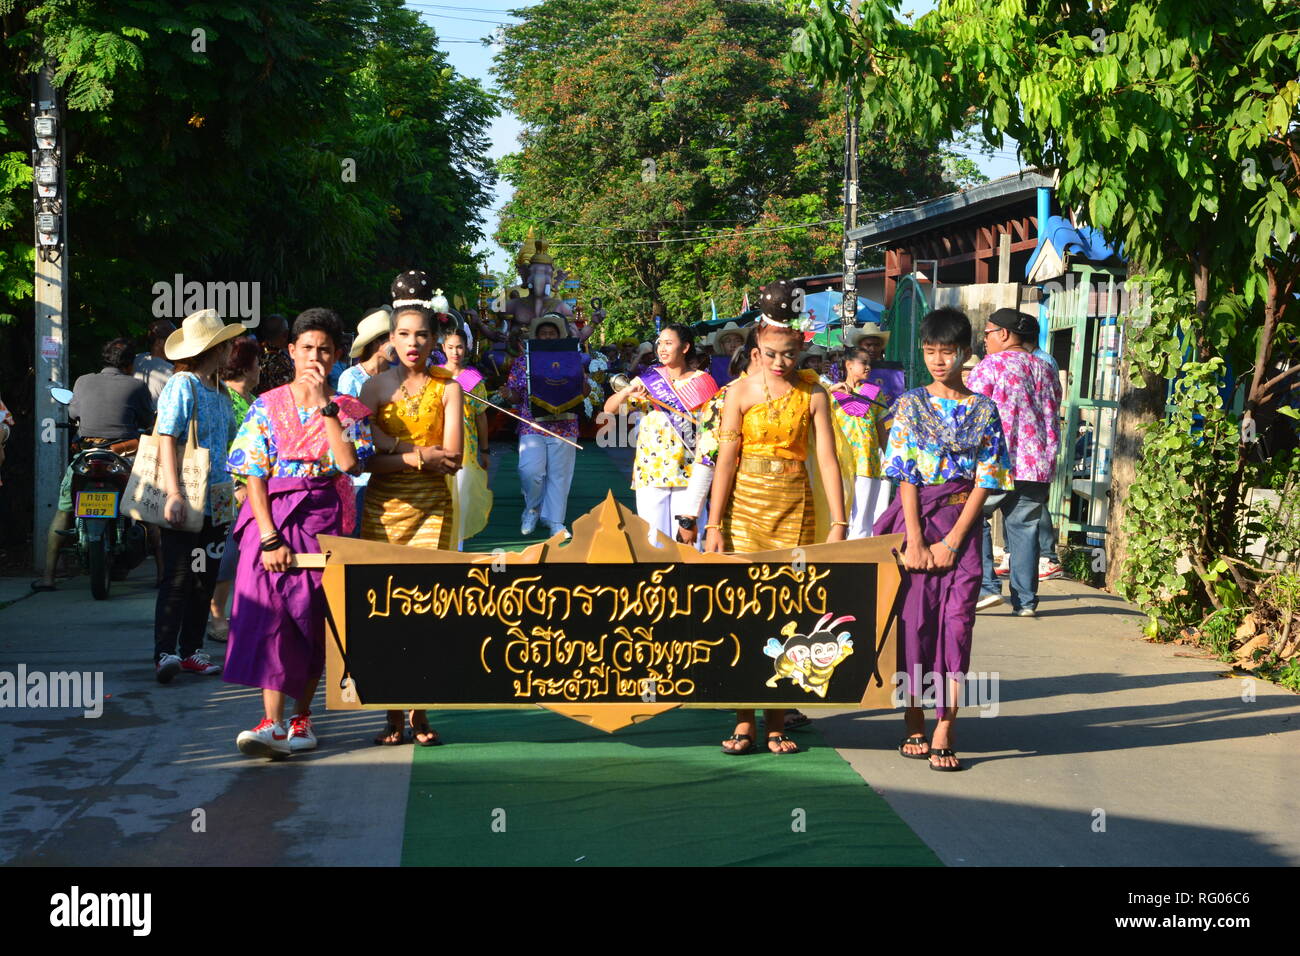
{"x": 192, "y": 402}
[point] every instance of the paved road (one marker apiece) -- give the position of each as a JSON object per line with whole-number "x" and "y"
{"x": 1090, "y": 719}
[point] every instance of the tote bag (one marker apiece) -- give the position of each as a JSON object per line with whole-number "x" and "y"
{"x": 146, "y": 491}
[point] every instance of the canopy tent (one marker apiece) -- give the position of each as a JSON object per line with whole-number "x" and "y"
{"x": 824, "y": 307}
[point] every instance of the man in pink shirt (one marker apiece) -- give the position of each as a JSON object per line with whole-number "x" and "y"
{"x": 1028, "y": 396}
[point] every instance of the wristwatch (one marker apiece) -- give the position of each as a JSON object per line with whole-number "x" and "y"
{"x": 330, "y": 410}
{"x": 686, "y": 522}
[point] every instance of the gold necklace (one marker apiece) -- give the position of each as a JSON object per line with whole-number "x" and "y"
{"x": 767, "y": 394}
{"x": 413, "y": 402}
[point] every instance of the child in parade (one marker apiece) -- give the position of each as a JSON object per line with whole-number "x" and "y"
{"x": 418, "y": 432}
{"x": 665, "y": 444}
{"x": 761, "y": 498}
{"x": 295, "y": 450}
{"x": 947, "y": 451}
{"x": 862, "y": 421}
{"x": 473, "y": 496}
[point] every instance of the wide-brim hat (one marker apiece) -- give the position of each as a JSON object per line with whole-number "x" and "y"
{"x": 815, "y": 349}
{"x": 870, "y": 330}
{"x": 645, "y": 348}
{"x": 731, "y": 328}
{"x": 199, "y": 332}
{"x": 376, "y": 325}
{"x": 550, "y": 318}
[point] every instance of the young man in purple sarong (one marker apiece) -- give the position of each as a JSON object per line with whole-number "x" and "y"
{"x": 296, "y": 447}
{"x": 947, "y": 451}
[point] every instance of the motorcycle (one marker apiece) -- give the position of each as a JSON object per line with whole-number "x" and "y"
{"x": 109, "y": 542}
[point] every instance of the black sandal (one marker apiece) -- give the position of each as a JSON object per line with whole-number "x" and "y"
{"x": 781, "y": 739}
{"x": 417, "y": 729}
{"x": 944, "y": 752}
{"x": 916, "y": 740}
{"x": 392, "y": 730}
{"x": 738, "y": 751}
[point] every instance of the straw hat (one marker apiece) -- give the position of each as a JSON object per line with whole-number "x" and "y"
{"x": 198, "y": 333}
{"x": 377, "y": 324}
{"x": 731, "y": 328}
{"x": 645, "y": 349}
{"x": 550, "y": 318}
{"x": 867, "y": 331}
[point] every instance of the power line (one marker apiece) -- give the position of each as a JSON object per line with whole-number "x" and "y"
{"x": 718, "y": 235}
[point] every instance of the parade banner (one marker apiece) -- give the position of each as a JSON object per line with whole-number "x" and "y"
{"x": 555, "y": 373}
{"x": 607, "y": 628}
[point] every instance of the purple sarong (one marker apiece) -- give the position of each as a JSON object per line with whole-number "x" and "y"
{"x": 937, "y": 609}
{"x": 277, "y": 621}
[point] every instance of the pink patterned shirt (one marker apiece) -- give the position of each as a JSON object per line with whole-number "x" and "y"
{"x": 1028, "y": 396}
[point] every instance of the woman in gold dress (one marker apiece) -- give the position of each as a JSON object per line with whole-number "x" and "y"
{"x": 419, "y": 431}
{"x": 761, "y": 495}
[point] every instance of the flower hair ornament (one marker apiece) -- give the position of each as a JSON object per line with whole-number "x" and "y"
{"x": 781, "y": 303}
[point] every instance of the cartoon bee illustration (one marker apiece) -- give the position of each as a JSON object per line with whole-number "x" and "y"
{"x": 808, "y": 660}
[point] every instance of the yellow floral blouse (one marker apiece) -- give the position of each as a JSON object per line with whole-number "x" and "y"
{"x": 661, "y": 459}
{"x": 862, "y": 436}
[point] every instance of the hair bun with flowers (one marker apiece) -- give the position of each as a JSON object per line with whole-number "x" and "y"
{"x": 780, "y": 303}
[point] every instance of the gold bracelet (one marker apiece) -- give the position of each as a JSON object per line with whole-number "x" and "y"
{"x": 834, "y": 523}
{"x": 729, "y": 434}
{"x": 708, "y": 526}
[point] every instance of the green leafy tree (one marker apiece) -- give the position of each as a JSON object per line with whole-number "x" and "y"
{"x": 671, "y": 158}
{"x": 1173, "y": 125}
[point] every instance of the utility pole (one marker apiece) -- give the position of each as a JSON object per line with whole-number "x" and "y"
{"x": 849, "y": 303}
{"x": 50, "y": 358}
{"x": 849, "y": 286}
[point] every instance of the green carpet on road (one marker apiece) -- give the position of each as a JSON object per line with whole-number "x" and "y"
{"x": 530, "y": 788}
{"x": 595, "y": 474}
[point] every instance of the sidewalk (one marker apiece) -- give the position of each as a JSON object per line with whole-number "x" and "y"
{"x": 1092, "y": 718}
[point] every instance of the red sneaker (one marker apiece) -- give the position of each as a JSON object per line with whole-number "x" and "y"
{"x": 199, "y": 663}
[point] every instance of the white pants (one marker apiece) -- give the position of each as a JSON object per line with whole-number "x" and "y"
{"x": 546, "y": 472}
{"x": 870, "y": 499}
{"x": 659, "y": 507}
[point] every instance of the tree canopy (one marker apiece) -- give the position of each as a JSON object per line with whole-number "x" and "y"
{"x": 670, "y": 157}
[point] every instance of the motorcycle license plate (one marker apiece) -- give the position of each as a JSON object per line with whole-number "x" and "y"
{"x": 96, "y": 504}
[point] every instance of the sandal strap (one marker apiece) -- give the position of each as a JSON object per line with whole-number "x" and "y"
{"x": 779, "y": 738}
{"x": 944, "y": 752}
{"x": 748, "y": 737}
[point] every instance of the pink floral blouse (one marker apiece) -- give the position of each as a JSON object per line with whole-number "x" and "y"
{"x": 1028, "y": 396}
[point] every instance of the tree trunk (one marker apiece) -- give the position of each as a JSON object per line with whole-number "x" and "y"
{"x": 1138, "y": 406}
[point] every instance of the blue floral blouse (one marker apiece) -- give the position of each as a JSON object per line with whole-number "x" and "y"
{"x": 945, "y": 439}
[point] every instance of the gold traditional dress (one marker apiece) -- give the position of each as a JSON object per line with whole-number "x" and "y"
{"x": 772, "y": 501}
{"x": 412, "y": 507}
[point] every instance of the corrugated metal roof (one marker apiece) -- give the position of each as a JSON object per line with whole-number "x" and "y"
{"x": 955, "y": 206}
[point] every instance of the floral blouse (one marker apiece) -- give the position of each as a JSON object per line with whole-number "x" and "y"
{"x": 935, "y": 440}
{"x": 254, "y": 452}
{"x": 862, "y": 433}
{"x": 661, "y": 458}
{"x": 1028, "y": 396}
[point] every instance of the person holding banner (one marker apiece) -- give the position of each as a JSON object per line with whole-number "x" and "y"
{"x": 861, "y": 418}
{"x": 295, "y": 449}
{"x": 418, "y": 429}
{"x": 671, "y": 396}
{"x": 545, "y": 384}
{"x": 947, "y": 451}
{"x": 473, "y": 496}
{"x": 762, "y": 499}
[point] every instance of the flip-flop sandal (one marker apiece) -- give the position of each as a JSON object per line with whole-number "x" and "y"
{"x": 390, "y": 731}
{"x": 739, "y": 751}
{"x": 797, "y": 721}
{"x": 916, "y": 739}
{"x": 424, "y": 728}
{"x": 945, "y": 752}
{"x": 781, "y": 739}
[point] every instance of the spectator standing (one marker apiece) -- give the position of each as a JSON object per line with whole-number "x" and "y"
{"x": 276, "y": 365}
{"x": 1028, "y": 396}
{"x": 152, "y": 367}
